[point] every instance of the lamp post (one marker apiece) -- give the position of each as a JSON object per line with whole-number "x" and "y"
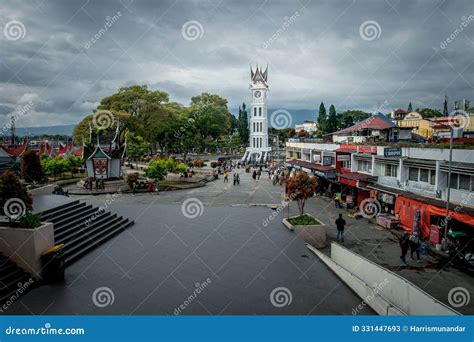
{"x": 276, "y": 139}
{"x": 448, "y": 191}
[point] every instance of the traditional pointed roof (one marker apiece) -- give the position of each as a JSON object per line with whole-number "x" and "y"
{"x": 259, "y": 75}
{"x": 17, "y": 151}
{"x": 98, "y": 153}
{"x": 378, "y": 121}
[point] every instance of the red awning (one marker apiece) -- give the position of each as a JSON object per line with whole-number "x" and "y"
{"x": 357, "y": 176}
{"x": 405, "y": 209}
{"x": 346, "y": 150}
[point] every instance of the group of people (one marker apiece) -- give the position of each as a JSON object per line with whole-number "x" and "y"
{"x": 410, "y": 242}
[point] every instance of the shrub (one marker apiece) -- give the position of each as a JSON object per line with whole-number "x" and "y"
{"x": 31, "y": 169}
{"x": 12, "y": 189}
{"x": 156, "y": 169}
{"x": 30, "y": 220}
{"x": 181, "y": 168}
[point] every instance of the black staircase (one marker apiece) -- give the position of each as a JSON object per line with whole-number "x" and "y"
{"x": 14, "y": 281}
{"x": 82, "y": 227}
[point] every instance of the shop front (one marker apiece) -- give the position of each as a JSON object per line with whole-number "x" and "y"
{"x": 354, "y": 188}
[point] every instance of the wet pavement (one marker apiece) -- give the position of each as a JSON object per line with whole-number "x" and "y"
{"x": 200, "y": 251}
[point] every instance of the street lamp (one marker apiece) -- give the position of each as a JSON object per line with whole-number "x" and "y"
{"x": 448, "y": 191}
{"x": 276, "y": 139}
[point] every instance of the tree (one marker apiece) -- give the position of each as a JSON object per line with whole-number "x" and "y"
{"x": 332, "y": 120}
{"x": 15, "y": 201}
{"x": 55, "y": 165}
{"x": 291, "y": 132}
{"x": 427, "y": 113}
{"x": 410, "y": 108}
{"x": 300, "y": 188}
{"x": 302, "y": 133}
{"x": 157, "y": 169}
{"x": 350, "y": 117}
{"x": 243, "y": 125}
{"x": 31, "y": 169}
{"x": 322, "y": 118}
{"x": 136, "y": 146}
{"x": 134, "y": 100}
{"x": 445, "y": 106}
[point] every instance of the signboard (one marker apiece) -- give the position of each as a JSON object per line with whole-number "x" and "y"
{"x": 343, "y": 157}
{"x": 392, "y": 152}
{"x": 100, "y": 168}
{"x": 367, "y": 149}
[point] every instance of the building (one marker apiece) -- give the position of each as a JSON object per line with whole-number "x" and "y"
{"x": 258, "y": 150}
{"x": 307, "y": 126}
{"x": 418, "y": 125}
{"x": 105, "y": 158}
{"x": 373, "y": 129}
{"x": 403, "y": 180}
{"x": 398, "y": 114}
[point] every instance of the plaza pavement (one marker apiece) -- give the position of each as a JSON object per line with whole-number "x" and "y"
{"x": 155, "y": 266}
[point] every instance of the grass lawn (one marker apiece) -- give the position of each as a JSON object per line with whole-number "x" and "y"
{"x": 303, "y": 220}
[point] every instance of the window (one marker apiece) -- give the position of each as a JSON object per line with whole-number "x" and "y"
{"x": 464, "y": 182}
{"x": 259, "y": 111}
{"x": 454, "y": 181}
{"x": 346, "y": 164}
{"x": 364, "y": 165}
{"x": 432, "y": 177}
{"x": 424, "y": 175}
{"x": 254, "y": 111}
{"x": 413, "y": 174}
{"x": 391, "y": 170}
{"x": 253, "y": 142}
{"x": 253, "y": 125}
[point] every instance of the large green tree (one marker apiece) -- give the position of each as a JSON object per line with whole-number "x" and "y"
{"x": 332, "y": 120}
{"x": 243, "y": 125}
{"x": 322, "y": 119}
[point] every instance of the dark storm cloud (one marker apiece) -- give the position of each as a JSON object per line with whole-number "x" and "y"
{"x": 74, "y": 53}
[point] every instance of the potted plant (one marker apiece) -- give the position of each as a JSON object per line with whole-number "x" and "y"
{"x": 301, "y": 187}
{"x": 23, "y": 237}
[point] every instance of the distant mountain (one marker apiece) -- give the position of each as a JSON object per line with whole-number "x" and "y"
{"x": 47, "y": 130}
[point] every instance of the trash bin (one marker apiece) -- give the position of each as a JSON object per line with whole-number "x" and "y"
{"x": 53, "y": 264}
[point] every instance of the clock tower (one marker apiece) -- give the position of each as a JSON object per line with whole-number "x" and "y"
{"x": 258, "y": 150}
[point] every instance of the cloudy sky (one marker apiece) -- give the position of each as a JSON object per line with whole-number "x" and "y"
{"x": 59, "y": 58}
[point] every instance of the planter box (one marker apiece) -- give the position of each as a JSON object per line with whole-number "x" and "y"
{"x": 314, "y": 234}
{"x": 24, "y": 246}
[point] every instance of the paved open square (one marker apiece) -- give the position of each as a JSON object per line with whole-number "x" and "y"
{"x": 155, "y": 266}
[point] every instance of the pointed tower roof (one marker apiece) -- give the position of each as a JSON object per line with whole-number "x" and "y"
{"x": 259, "y": 75}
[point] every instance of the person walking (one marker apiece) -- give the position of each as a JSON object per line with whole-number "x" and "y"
{"x": 414, "y": 242}
{"x": 404, "y": 242}
{"x": 340, "y": 225}
{"x": 238, "y": 179}
{"x": 259, "y": 173}
{"x": 254, "y": 174}
{"x": 235, "y": 179}
{"x": 226, "y": 176}
{"x": 337, "y": 200}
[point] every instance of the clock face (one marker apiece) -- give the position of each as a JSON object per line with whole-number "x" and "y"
{"x": 257, "y": 94}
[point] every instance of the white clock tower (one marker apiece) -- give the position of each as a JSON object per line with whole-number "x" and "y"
{"x": 258, "y": 150}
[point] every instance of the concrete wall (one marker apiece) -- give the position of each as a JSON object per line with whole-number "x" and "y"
{"x": 24, "y": 246}
{"x": 44, "y": 190}
{"x": 399, "y": 291}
